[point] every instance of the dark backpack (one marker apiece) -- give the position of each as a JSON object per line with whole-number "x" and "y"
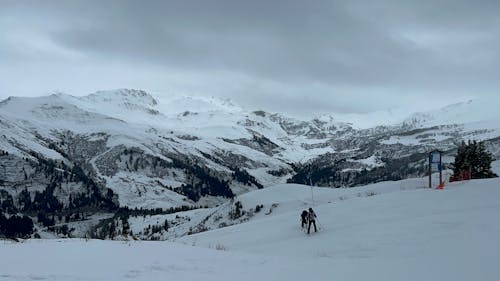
{"x": 304, "y": 214}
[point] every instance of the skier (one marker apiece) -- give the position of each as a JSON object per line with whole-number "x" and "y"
{"x": 303, "y": 217}
{"x": 312, "y": 220}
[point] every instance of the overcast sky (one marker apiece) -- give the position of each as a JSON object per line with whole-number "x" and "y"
{"x": 285, "y": 56}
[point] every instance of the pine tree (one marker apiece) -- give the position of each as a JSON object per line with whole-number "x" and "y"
{"x": 473, "y": 157}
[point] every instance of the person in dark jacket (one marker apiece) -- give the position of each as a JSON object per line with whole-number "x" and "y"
{"x": 303, "y": 217}
{"x": 311, "y": 217}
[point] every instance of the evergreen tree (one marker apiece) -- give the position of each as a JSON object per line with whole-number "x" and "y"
{"x": 474, "y": 158}
{"x": 15, "y": 226}
{"x": 24, "y": 200}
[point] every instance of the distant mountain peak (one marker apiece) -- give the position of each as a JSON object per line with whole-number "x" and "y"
{"x": 124, "y": 95}
{"x": 131, "y": 105}
{"x": 196, "y": 104}
{"x": 469, "y": 111}
{"x": 29, "y": 103}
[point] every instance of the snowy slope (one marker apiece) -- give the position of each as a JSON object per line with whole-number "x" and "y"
{"x": 396, "y": 233}
{"x": 272, "y": 200}
{"x": 471, "y": 111}
{"x": 401, "y": 233}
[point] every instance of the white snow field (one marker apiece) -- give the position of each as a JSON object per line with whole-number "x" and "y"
{"x": 386, "y": 231}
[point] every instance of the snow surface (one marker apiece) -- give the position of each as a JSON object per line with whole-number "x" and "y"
{"x": 385, "y": 231}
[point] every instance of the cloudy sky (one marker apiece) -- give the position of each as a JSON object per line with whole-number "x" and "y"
{"x": 280, "y": 55}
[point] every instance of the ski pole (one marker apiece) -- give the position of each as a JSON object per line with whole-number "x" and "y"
{"x": 319, "y": 223}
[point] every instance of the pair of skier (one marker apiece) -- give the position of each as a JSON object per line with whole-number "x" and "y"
{"x": 308, "y": 218}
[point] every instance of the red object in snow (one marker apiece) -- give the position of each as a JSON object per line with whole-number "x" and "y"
{"x": 461, "y": 176}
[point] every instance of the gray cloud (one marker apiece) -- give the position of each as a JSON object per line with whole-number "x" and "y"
{"x": 297, "y": 56}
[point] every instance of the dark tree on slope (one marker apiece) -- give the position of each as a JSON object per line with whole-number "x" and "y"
{"x": 15, "y": 226}
{"x": 473, "y": 157}
{"x": 244, "y": 177}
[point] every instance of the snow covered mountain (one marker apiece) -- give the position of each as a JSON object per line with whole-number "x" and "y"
{"x": 471, "y": 111}
{"x": 91, "y": 155}
{"x": 153, "y": 155}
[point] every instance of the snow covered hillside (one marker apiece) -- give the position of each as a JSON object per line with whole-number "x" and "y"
{"x": 387, "y": 231}
{"x": 471, "y": 111}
